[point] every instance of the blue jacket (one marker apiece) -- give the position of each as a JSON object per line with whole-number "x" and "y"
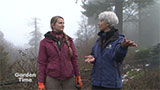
{"x": 108, "y": 60}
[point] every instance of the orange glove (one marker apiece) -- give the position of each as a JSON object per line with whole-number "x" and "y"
{"x": 78, "y": 82}
{"x": 40, "y": 86}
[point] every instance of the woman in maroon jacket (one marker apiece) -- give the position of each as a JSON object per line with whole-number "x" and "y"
{"x": 57, "y": 59}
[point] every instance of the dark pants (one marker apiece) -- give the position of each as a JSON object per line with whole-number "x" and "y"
{"x": 103, "y": 88}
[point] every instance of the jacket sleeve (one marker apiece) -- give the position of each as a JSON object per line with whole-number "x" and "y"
{"x": 42, "y": 62}
{"x": 120, "y": 52}
{"x": 93, "y": 51}
{"x": 74, "y": 59}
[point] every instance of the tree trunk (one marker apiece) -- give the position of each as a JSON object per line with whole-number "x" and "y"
{"x": 139, "y": 24}
{"x": 35, "y": 45}
{"x": 119, "y": 12}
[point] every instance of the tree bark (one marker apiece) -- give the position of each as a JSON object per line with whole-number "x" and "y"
{"x": 119, "y": 12}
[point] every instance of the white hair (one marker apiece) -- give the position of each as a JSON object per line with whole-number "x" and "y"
{"x": 109, "y": 17}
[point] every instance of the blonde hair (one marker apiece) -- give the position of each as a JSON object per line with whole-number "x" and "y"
{"x": 69, "y": 46}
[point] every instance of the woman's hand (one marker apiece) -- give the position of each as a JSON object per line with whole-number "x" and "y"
{"x": 41, "y": 86}
{"x": 128, "y": 43}
{"x": 89, "y": 59}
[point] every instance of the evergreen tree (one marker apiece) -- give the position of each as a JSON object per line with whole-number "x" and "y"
{"x": 121, "y": 7}
{"x": 36, "y": 36}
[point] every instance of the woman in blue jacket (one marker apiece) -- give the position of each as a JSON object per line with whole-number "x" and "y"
{"x": 108, "y": 54}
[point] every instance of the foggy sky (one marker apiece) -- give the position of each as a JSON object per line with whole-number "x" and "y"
{"x": 17, "y": 16}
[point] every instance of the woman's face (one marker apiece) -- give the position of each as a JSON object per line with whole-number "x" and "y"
{"x": 59, "y": 25}
{"x": 103, "y": 25}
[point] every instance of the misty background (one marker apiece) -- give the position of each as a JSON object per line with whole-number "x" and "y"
{"x": 17, "y": 17}
{"x": 139, "y": 21}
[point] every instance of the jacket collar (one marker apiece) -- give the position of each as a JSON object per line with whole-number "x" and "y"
{"x": 104, "y": 40}
{"x": 51, "y": 36}
{"x": 115, "y": 36}
{"x": 109, "y": 36}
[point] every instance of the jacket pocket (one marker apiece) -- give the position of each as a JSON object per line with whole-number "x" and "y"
{"x": 68, "y": 69}
{"x": 53, "y": 69}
